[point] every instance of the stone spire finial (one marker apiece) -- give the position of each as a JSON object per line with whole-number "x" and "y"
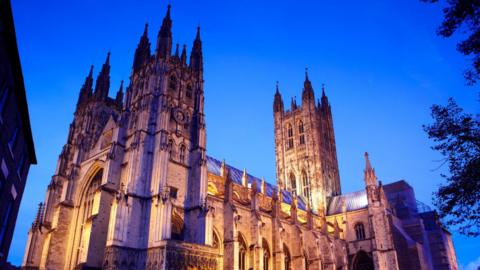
{"x": 244, "y": 178}
{"x": 176, "y": 51}
{"x": 196, "y": 57}
{"x": 370, "y": 177}
{"x": 119, "y": 97}
{"x": 102, "y": 85}
{"x": 86, "y": 90}
{"x": 263, "y": 186}
{"x": 164, "y": 40}
{"x": 183, "y": 58}
{"x": 277, "y": 100}
{"x": 307, "y": 93}
{"x": 142, "y": 53}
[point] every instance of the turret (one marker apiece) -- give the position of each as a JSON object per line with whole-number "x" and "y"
{"x": 196, "y": 57}
{"x": 142, "y": 53}
{"x": 86, "y": 90}
{"x": 307, "y": 93}
{"x": 103, "y": 81}
{"x": 164, "y": 39}
{"x": 277, "y": 101}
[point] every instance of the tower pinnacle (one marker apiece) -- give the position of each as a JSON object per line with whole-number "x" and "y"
{"x": 164, "y": 40}
{"x": 142, "y": 53}
{"x": 196, "y": 57}
{"x": 103, "y": 81}
{"x": 370, "y": 177}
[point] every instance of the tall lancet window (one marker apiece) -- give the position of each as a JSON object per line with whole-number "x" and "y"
{"x": 290, "y": 136}
{"x": 287, "y": 260}
{"x": 293, "y": 182}
{"x": 301, "y": 131}
{"x": 172, "y": 83}
{"x": 189, "y": 91}
{"x": 305, "y": 185}
{"x": 266, "y": 255}
{"x": 170, "y": 148}
{"x": 242, "y": 254}
{"x": 182, "y": 153}
{"x": 360, "y": 231}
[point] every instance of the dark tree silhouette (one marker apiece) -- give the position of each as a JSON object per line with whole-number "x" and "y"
{"x": 464, "y": 16}
{"x": 457, "y": 138}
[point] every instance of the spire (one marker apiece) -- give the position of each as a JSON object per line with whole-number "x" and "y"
{"x": 142, "y": 53}
{"x": 103, "y": 81}
{"x": 86, "y": 90}
{"x": 370, "y": 177}
{"x": 307, "y": 93}
{"x": 176, "y": 51}
{"x": 293, "y": 106}
{"x": 277, "y": 101}
{"x": 183, "y": 58}
{"x": 119, "y": 97}
{"x": 196, "y": 57}
{"x": 164, "y": 40}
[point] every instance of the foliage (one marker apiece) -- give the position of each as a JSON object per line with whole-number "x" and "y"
{"x": 464, "y": 16}
{"x": 457, "y": 138}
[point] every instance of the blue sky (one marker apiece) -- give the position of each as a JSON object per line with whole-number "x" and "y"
{"x": 381, "y": 62}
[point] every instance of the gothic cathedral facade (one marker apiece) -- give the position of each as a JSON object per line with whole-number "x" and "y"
{"x": 135, "y": 189}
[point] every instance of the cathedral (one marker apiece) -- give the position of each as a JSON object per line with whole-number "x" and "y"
{"x": 134, "y": 187}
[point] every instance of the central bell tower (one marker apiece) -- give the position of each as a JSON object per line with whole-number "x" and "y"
{"x": 305, "y": 151}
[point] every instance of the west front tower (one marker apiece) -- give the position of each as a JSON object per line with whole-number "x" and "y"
{"x": 305, "y": 152}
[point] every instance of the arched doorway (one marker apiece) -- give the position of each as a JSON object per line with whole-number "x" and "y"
{"x": 362, "y": 261}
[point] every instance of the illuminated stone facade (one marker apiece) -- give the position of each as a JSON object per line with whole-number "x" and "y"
{"x": 134, "y": 188}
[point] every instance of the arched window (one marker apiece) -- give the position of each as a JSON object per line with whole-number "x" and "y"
{"x": 293, "y": 181}
{"x": 85, "y": 212}
{"x": 189, "y": 91}
{"x": 362, "y": 261}
{"x": 305, "y": 258}
{"x": 359, "y": 231}
{"x": 300, "y": 127}
{"x": 216, "y": 240}
{"x": 305, "y": 185}
{"x": 177, "y": 227}
{"x": 290, "y": 136}
{"x": 170, "y": 148}
{"x": 301, "y": 130}
{"x": 182, "y": 153}
{"x": 242, "y": 253}
{"x": 172, "y": 83}
{"x": 266, "y": 255}
{"x": 287, "y": 260}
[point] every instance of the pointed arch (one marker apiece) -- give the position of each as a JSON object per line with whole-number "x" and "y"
{"x": 182, "y": 153}
{"x": 359, "y": 231}
{"x": 177, "y": 226}
{"x": 242, "y": 252}
{"x": 287, "y": 258}
{"x": 85, "y": 212}
{"x": 289, "y": 136}
{"x": 292, "y": 181}
{"x": 266, "y": 255}
{"x": 172, "y": 83}
{"x": 362, "y": 261}
{"x": 305, "y": 185}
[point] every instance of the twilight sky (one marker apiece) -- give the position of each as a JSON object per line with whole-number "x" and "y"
{"x": 381, "y": 62}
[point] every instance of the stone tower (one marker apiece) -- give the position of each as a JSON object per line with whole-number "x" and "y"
{"x": 305, "y": 151}
{"x": 133, "y": 172}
